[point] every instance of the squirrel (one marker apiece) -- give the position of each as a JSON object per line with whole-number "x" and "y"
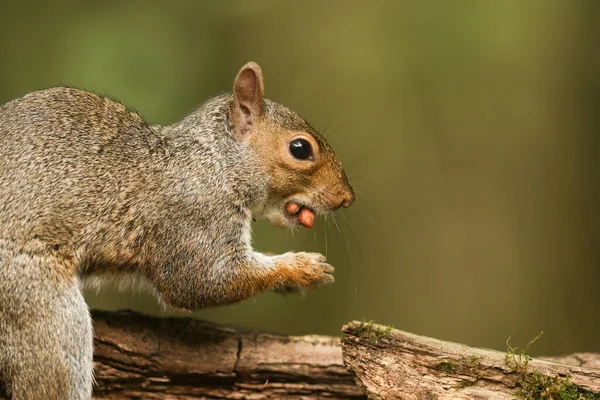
{"x": 88, "y": 189}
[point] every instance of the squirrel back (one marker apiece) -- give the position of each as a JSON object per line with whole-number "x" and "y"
{"x": 70, "y": 162}
{"x": 87, "y": 175}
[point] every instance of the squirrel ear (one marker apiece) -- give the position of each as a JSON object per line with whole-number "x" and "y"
{"x": 248, "y": 102}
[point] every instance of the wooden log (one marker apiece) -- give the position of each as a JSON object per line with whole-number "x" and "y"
{"x": 137, "y": 356}
{"x": 391, "y": 364}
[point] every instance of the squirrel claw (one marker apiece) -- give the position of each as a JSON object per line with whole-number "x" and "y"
{"x": 309, "y": 270}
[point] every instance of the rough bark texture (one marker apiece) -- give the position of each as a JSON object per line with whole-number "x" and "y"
{"x": 391, "y": 364}
{"x": 137, "y": 356}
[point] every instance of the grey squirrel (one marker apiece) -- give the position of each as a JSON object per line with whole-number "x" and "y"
{"x": 88, "y": 189}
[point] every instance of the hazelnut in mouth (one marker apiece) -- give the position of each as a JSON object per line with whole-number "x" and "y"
{"x": 304, "y": 215}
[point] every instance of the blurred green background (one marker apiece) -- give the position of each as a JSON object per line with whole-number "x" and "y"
{"x": 469, "y": 129}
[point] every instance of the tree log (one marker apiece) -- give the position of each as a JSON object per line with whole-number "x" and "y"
{"x": 137, "y": 356}
{"x": 391, "y": 364}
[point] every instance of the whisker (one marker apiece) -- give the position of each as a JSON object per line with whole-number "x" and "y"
{"x": 346, "y": 241}
{"x": 348, "y": 245}
{"x": 335, "y": 131}
{"x": 349, "y": 224}
{"x": 365, "y": 216}
{"x": 336, "y": 224}
{"x": 323, "y": 190}
{"x": 336, "y": 115}
{"x": 356, "y": 178}
{"x": 326, "y": 243}
{"x": 322, "y": 200}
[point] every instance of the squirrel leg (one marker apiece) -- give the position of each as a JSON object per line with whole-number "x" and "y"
{"x": 46, "y": 341}
{"x": 286, "y": 273}
{"x": 298, "y": 283}
{"x": 238, "y": 278}
{"x": 301, "y": 270}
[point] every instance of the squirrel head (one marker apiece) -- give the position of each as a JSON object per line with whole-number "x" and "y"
{"x": 305, "y": 176}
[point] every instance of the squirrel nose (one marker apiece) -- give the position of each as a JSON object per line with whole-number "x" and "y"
{"x": 348, "y": 198}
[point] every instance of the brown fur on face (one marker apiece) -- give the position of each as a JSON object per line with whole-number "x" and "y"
{"x": 318, "y": 183}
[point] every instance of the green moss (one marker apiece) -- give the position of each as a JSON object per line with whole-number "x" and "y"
{"x": 466, "y": 366}
{"x": 447, "y": 366}
{"x": 535, "y": 385}
{"x": 469, "y": 366}
{"x": 472, "y": 363}
{"x": 538, "y": 386}
{"x": 371, "y": 331}
{"x": 518, "y": 359}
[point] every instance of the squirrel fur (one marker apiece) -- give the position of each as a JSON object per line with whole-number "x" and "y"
{"x": 89, "y": 189}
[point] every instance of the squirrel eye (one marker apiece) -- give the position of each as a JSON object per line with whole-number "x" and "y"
{"x": 301, "y": 149}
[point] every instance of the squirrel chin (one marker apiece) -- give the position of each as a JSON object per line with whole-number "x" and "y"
{"x": 283, "y": 221}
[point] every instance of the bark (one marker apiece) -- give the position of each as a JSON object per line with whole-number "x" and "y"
{"x": 137, "y": 356}
{"x": 391, "y": 364}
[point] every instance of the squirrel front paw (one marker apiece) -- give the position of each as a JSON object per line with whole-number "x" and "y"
{"x": 304, "y": 270}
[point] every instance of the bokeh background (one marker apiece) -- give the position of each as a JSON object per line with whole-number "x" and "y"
{"x": 469, "y": 129}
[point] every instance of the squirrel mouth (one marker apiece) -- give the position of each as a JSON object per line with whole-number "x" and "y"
{"x": 304, "y": 215}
